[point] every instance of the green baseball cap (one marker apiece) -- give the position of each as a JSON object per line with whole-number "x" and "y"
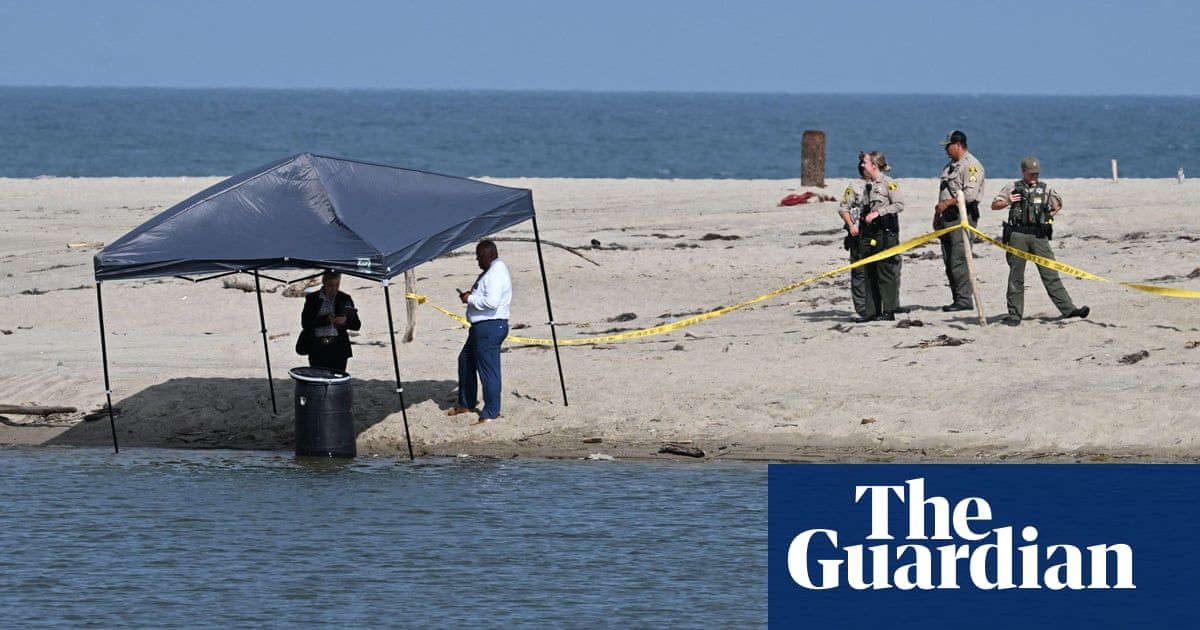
{"x": 1031, "y": 165}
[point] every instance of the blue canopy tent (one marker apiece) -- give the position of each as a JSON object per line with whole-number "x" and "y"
{"x": 314, "y": 212}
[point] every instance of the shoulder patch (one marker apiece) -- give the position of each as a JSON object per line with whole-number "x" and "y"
{"x": 972, "y": 169}
{"x": 893, "y": 185}
{"x": 973, "y": 178}
{"x": 849, "y": 194}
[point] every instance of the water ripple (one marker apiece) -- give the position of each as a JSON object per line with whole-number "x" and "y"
{"x": 214, "y": 538}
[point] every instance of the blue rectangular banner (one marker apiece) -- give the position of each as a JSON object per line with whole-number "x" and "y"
{"x": 983, "y": 546}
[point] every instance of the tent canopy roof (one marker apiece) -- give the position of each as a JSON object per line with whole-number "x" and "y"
{"x": 316, "y": 212}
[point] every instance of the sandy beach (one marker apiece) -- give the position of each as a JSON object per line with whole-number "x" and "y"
{"x": 788, "y": 379}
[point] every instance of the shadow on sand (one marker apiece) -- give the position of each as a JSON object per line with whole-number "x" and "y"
{"x": 236, "y": 413}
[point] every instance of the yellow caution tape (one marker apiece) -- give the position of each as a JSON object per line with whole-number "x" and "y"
{"x": 696, "y": 319}
{"x": 1044, "y": 262}
{"x": 887, "y": 253}
{"x": 1079, "y": 273}
{"x": 1167, "y": 291}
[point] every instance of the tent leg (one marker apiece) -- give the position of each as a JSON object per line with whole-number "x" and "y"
{"x": 549, "y": 309}
{"x": 387, "y": 298}
{"x": 262, "y": 321}
{"x": 112, "y": 423}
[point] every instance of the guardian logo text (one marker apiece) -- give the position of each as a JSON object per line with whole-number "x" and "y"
{"x": 920, "y": 541}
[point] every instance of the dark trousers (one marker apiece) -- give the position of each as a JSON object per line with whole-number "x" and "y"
{"x": 480, "y": 356}
{"x": 328, "y": 355}
{"x": 954, "y": 257}
{"x": 1037, "y": 246}
{"x": 858, "y": 279}
{"x": 881, "y": 279}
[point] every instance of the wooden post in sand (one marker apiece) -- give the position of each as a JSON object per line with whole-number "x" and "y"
{"x": 962, "y": 213}
{"x": 812, "y": 159}
{"x": 410, "y": 305}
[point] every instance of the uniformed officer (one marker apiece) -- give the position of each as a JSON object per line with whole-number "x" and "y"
{"x": 879, "y": 229}
{"x": 848, "y": 210}
{"x": 963, "y": 172}
{"x": 1032, "y": 206}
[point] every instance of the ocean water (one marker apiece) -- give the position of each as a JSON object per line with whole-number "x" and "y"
{"x": 161, "y": 132}
{"x": 170, "y": 539}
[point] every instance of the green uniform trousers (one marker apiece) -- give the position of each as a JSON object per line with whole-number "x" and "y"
{"x": 858, "y": 278}
{"x": 881, "y": 281}
{"x": 954, "y": 257}
{"x": 1016, "y": 275}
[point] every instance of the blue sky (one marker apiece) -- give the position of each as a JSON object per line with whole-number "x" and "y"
{"x": 912, "y": 46}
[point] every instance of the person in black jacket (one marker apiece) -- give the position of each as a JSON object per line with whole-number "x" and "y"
{"x": 328, "y": 314}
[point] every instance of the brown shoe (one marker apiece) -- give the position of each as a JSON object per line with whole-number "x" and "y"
{"x": 456, "y": 411}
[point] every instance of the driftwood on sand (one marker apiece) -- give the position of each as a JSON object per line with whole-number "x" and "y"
{"x": 526, "y": 239}
{"x": 679, "y": 449}
{"x": 34, "y": 410}
{"x": 245, "y": 283}
{"x": 296, "y": 289}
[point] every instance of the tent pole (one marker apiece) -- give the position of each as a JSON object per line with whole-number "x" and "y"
{"x": 387, "y": 298}
{"x": 262, "y": 321}
{"x": 112, "y": 423}
{"x": 549, "y": 309}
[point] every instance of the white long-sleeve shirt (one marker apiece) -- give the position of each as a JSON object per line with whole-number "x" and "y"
{"x": 491, "y": 297}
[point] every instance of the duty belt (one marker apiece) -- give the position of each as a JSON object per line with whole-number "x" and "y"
{"x": 1036, "y": 230}
{"x": 951, "y": 213}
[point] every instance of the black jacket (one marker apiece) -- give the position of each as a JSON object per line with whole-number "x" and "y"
{"x": 310, "y": 321}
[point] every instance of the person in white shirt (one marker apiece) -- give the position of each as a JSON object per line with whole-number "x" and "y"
{"x": 488, "y": 303}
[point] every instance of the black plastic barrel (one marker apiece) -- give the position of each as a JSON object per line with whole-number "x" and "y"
{"x": 324, "y": 422}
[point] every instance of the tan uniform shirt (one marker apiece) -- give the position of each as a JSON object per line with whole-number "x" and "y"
{"x": 965, "y": 175}
{"x": 852, "y": 200}
{"x": 883, "y": 196}
{"x": 1055, "y": 199}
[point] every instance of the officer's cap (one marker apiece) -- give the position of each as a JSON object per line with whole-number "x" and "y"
{"x": 955, "y": 137}
{"x": 1031, "y": 165}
